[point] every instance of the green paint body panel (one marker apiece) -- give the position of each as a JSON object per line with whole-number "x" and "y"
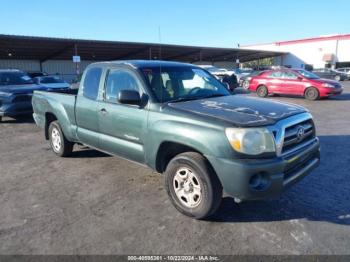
{"x": 136, "y": 133}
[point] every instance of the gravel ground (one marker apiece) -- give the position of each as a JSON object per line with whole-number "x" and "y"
{"x": 93, "y": 203}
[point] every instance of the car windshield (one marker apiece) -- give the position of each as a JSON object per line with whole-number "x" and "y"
{"x": 307, "y": 74}
{"x": 14, "y": 78}
{"x": 180, "y": 83}
{"x": 50, "y": 80}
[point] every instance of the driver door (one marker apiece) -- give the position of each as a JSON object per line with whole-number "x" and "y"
{"x": 122, "y": 127}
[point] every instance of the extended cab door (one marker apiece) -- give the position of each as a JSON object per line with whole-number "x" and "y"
{"x": 122, "y": 127}
{"x": 86, "y": 108}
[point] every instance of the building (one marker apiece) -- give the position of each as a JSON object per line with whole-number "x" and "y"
{"x": 55, "y": 55}
{"x": 317, "y": 52}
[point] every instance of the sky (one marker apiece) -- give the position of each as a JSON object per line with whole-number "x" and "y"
{"x": 217, "y": 23}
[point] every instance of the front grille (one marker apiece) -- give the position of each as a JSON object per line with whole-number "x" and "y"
{"x": 22, "y": 98}
{"x": 298, "y": 134}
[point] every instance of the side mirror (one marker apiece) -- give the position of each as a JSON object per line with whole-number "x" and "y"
{"x": 130, "y": 97}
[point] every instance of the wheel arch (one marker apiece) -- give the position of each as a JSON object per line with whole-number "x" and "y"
{"x": 167, "y": 150}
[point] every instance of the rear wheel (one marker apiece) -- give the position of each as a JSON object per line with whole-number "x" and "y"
{"x": 262, "y": 91}
{"x": 59, "y": 144}
{"x": 192, "y": 185}
{"x": 312, "y": 93}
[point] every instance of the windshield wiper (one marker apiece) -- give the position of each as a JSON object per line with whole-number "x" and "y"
{"x": 183, "y": 99}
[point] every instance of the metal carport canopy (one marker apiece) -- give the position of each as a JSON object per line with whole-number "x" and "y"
{"x": 45, "y": 48}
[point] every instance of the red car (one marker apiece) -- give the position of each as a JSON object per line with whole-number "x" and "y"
{"x": 297, "y": 82}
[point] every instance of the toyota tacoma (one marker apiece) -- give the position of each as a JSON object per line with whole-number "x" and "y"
{"x": 181, "y": 121}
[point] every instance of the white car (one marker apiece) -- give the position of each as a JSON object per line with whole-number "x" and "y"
{"x": 51, "y": 82}
{"x": 216, "y": 71}
{"x": 345, "y": 70}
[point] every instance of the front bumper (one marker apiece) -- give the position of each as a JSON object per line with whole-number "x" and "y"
{"x": 237, "y": 176}
{"x": 331, "y": 92}
{"x": 14, "y": 106}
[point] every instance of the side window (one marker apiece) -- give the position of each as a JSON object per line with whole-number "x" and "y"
{"x": 277, "y": 74}
{"x": 91, "y": 83}
{"x": 289, "y": 75}
{"x": 118, "y": 80}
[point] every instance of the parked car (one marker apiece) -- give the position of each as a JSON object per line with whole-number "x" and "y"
{"x": 34, "y": 74}
{"x": 225, "y": 76}
{"x": 179, "y": 120}
{"x": 242, "y": 72}
{"x": 16, "y": 89}
{"x": 230, "y": 81}
{"x": 51, "y": 82}
{"x": 217, "y": 71}
{"x": 344, "y": 70}
{"x": 244, "y": 80}
{"x": 298, "y": 82}
{"x": 330, "y": 74}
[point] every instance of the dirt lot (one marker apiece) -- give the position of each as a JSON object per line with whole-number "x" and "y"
{"x": 93, "y": 203}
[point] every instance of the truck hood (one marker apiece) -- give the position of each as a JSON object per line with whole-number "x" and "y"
{"x": 20, "y": 89}
{"x": 240, "y": 110}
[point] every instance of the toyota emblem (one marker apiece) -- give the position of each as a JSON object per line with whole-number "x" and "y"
{"x": 300, "y": 133}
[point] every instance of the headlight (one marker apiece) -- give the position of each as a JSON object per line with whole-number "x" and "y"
{"x": 5, "y": 94}
{"x": 328, "y": 85}
{"x": 251, "y": 141}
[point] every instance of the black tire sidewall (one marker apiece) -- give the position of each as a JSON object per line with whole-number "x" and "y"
{"x": 207, "y": 205}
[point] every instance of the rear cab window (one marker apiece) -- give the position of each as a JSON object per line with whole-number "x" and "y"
{"x": 91, "y": 83}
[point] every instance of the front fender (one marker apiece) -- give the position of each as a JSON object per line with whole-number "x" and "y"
{"x": 208, "y": 140}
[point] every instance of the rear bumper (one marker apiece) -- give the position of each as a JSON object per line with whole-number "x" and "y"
{"x": 240, "y": 177}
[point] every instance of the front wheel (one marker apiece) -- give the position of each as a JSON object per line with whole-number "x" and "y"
{"x": 59, "y": 144}
{"x": 192, "y": 185}
{"x": 312, "y": 93}
{"x": 245, "y": 84}
{"x": 337, "y": 78}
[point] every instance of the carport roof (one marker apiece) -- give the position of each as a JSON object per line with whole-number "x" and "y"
{"x": 45, "y": 48}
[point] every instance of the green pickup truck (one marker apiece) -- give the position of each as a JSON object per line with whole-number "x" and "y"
{"x": 181, "y": 121}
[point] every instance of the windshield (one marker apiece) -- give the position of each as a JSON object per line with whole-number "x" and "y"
{"x": 182, "y": 83}
{"x": 14, "y": 78}
{"x": 308, "y": 74}
{"x": 50, "y": 80}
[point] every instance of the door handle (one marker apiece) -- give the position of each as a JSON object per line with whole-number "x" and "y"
{"x": 103, "y": 111}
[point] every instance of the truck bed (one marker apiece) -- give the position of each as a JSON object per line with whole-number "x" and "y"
{"x": 60, "y": 104}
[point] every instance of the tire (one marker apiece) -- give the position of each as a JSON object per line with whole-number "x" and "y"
{"x": 312, "y": 93}
{"x": 188, "y": 169}
{"x": 58, "y": 142}
{"x": 245, "y": 84}
{"x": 337, "y": 78}
{"x": 262, "y": 91}
{"x": 0, "y": 118}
